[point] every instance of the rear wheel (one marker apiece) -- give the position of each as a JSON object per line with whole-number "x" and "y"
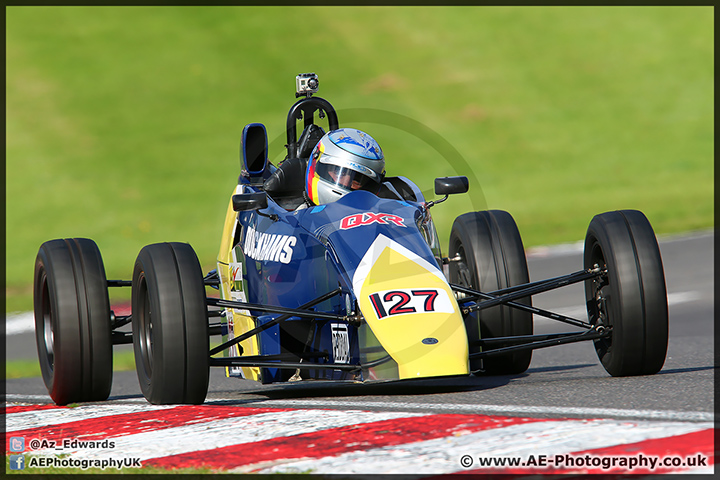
{"x": 72, "y": 321}
{"x": 632, "y": 298}
{"x": 170, "y": 325}
{"x": 488, "y": 255}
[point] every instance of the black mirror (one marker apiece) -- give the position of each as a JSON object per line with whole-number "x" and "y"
{"x": 451, "y": 185}
{"x": 249, "y": 201}
{"x": 254, "y": 149}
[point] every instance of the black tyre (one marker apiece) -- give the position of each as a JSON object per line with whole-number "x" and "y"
{"x": 633, "y": 298}
{"x": 490, "y": 256}
{"x": 170, "y": 325}
{"x": 72, "y": 321}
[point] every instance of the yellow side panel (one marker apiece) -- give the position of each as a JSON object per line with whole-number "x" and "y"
{"x": 231, "y": 288}
{"x": 228, "y": 231}
{"x": 394, "y": 276}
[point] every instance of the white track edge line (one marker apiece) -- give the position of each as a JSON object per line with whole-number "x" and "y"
{"x": 511, "y": 409}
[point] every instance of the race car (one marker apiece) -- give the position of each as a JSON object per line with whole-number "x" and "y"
{"x": 354, "y": 289}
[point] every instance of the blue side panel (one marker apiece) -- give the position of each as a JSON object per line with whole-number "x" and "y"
{"x": 291, "y": 258}
{"x": 270, "y": 345}
{"x": 287, "y": 266}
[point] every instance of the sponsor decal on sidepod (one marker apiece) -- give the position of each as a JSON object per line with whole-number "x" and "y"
{"x": 269, "y": 247}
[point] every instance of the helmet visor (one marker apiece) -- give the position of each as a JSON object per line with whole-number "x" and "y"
{"x": 345, "y": 178}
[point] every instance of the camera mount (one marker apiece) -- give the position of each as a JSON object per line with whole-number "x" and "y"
{"x": 306, "y": 84}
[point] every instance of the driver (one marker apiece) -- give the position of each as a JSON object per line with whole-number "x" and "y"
{"x": 343, "y": 160}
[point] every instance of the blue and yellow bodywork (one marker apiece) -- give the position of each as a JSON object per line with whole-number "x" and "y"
{"x": 376, "y": 251}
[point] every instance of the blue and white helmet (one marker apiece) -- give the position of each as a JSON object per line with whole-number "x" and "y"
{"x": 344, "y": 160}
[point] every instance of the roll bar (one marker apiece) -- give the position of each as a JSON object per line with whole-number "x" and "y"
{"x": 304, "y": 109}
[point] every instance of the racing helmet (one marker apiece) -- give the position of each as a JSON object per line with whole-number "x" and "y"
{"x": 343, "y": 160}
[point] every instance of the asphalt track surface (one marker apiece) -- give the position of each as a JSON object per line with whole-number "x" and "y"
{"x": 562, "y": 382}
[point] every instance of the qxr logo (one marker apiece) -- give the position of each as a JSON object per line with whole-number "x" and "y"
{"x": 352, "y": 221}
{"x": 400, "y": 302}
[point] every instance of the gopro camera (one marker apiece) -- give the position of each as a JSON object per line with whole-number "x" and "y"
{"x": 306, "y": 84}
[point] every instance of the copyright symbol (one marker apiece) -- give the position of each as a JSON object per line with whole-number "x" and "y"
{"x": 466, "y": 461}
{"x": 34, "y": 444}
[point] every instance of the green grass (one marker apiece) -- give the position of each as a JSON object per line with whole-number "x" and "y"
{"x": 22, "y": 369}
{"x": 123, "y": 123}
{"x": 122, "y": 361}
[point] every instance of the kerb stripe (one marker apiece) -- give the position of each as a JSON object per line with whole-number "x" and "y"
{"x": 336, "y": 441}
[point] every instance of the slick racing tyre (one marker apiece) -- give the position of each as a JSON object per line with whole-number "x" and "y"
{"x": 72, "y": 321}
{"x": 632, "y": 298}
{"x": 170, "y": 325}
{"x": 487, "y": 254}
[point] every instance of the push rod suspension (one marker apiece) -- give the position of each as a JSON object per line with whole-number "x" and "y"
{"x": 210, "y": 280}
{"x": 279, "y": 357}
{"x": 119, "y": 321}
{"x": 296, "y": 312}
{"x": 520, "y": 339}
{"x": 241, "y": 362}
{"x": 271, "y": 323}
{"x": 580, "y": 337}
{"x": 557, "y": 282}
{"x": 527, "y": 308}
{"x": 531, "y": 289}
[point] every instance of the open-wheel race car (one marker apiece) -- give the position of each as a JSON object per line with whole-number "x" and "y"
{"x": 352, "y": 287}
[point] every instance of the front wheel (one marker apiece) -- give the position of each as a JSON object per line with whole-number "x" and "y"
{"x": 487, "y": 254}
{"x": 72, "y": 321}
{"x": 170, "y": 325}
{"x": 632, "y": 297}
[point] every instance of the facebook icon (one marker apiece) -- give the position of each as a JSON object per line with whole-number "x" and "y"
{"x": 17, "y": 462}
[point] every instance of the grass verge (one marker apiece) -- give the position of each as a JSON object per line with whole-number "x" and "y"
{"x": 121, "y": 136}
{"x": 122, "y": 361}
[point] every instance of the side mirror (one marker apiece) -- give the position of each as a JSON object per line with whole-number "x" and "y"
{"x": 249, "y": 201}
{"x": 451, "y": 185}
{"x": 254, "y": 149}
